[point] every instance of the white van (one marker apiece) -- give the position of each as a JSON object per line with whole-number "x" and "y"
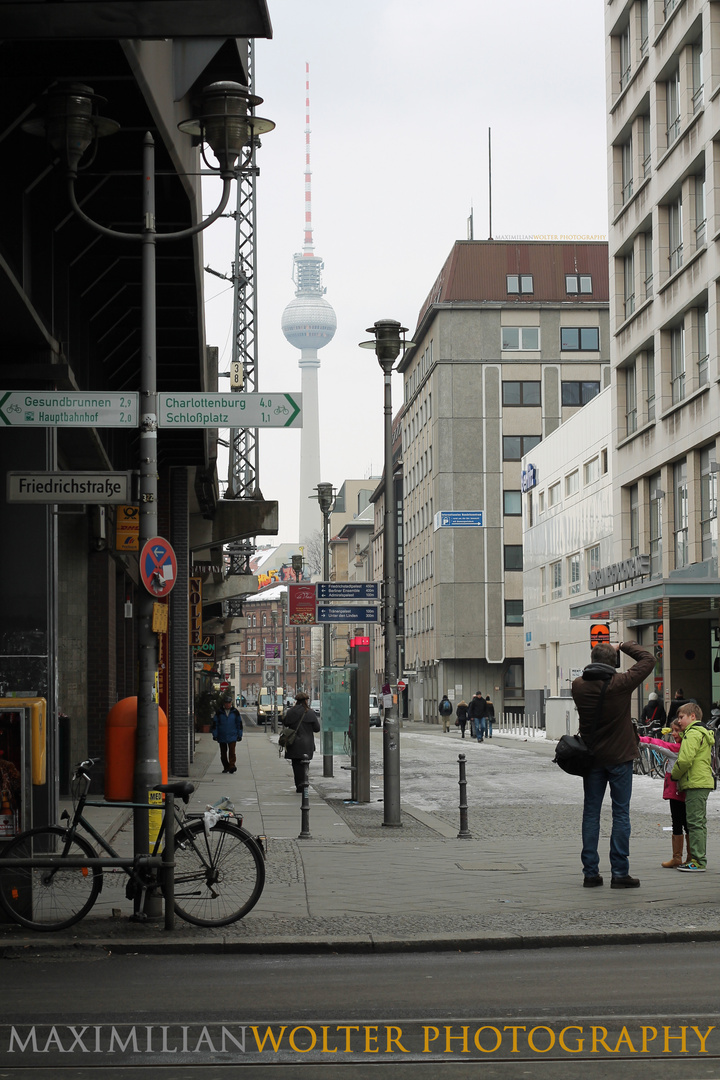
{"x": 265, "y": 704}
{"x": 375, "y": 717}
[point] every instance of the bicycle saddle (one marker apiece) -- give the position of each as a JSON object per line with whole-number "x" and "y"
{"x": 182, "y": 789}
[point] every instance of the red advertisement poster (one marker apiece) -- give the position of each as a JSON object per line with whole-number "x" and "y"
{"x": 301, "y": 605}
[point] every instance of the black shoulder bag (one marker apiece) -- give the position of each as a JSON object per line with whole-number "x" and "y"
{"x": 572, "y": 753}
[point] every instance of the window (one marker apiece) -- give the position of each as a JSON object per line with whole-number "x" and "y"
{"x": 703, "y": 357}
{"x": 519, "y": 283}
{"x": 512, "y": 503}
{"x": 677, "y": 363}
{"x": 630, "y": 399}
{"x": 604, "y": 461}
{"x": 627, "y": 170}
{"x": 514, "y": 446}
{"x": 708, "y": 503}
{"x": 591, "y": 471}
{"x": 680, "y": 501}
{"x": 573, "y": 574}
{"x": 643, "y": 27}
{"x": 514, "y": 685}
{"x": 647, "y": 242}
{"x": 513, "y": 612}
{"x": 521, "y": 393}
{"x": 541, "y": 502}
{"x": 645, "y": 143}
{"x": 656, "y": 525}
{"x": 579, "y": 393}
{"x": 592, "y": 559}
{"x": 629, "y": 284}
{"x": 580, "y": 338}
{"x": 675, "y": 235}
{"x": 633, "y": 494}
{"x": 572, "y": 482}
{"x": 554, "y": 496}
{"x": 543, "y": 585}
{"x": 650, "y": 381}
{"x": 578, "y": 283}
{"x": 672, "y": 106}
{"x": 697, "y": 76}
{"x": 700, "y": 212}
{"x": 625, "y": 60}
{"x": 513, "y": 557}
{"x": 556, "y": 580}
{"x": 521, "y": 337}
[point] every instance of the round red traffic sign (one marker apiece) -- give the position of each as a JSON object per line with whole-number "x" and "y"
{"x": 158, "y": 566}
{"x": 225, "y": 685}
{"x": 401, "y": 685}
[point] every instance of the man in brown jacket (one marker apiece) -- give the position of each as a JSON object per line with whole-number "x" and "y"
{"x": 602, "y": 695}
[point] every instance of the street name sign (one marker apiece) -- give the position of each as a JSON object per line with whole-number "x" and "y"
{"x": 200, "y": 410}
{"x": 458, "y": 519}
{"x": 33, "y": 408}
{"x": 348, "y": 590}
{"x": 69, "y": 487}
{"x": 347, "y": 613}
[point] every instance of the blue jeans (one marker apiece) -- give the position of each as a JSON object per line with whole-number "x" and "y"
{"x": 619, "y": 777}
{"x": 478, "y": 727}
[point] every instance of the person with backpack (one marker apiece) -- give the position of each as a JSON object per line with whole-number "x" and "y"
{"x": 694, "y": 775}
{"x": 446, "y": 710}
{"x": 227, "y": 730}
{"x": 304, "y": 722}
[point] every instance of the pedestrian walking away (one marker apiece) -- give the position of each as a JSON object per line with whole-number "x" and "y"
{"x": 462, "y": 714}
{"x": 489, "y": 716}
{"x": 654, "y": 712}
{"x": 227, "y": 730}
{"x": 693, "y": 772}
{"x": 446, "y": 710}
{"x": 677, "y": 702}
{"x": 603, "y": 696}
{"x": 676, "y": 799}
{"x": 476, "y": 716}
{"x": 302, "y": 718}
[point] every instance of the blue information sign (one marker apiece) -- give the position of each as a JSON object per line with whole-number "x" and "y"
{"x": 459, "y": 519}
{"x": 352, "y": 613}
{"x": 348, "y": 590}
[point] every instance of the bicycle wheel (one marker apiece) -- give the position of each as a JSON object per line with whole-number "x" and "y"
{"x": 219, "y": 875}
{"x": 657, "y": 764}
{"x": 43, "y": 898}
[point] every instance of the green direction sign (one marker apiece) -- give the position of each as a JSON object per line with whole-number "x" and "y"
{"x": 32, "y": 408}
{"x": 201, "y": 410}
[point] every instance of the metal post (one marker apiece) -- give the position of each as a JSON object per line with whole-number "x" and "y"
{"x": 391, "y": 724}
{"x": 305, "y": 833}
{"x": 464, "y": 833}
{"x": 168, "y": 866}
{"x": 327, "y": 736}
{"x": 147, "y": 773}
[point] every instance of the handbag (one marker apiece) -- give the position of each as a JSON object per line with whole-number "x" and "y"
{"x": 289, "y": 734}
{"x": 572, "y": 753}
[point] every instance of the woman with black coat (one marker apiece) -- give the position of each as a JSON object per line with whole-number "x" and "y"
{"x": 305, "y": 722}
{"x": 461, "y": 713}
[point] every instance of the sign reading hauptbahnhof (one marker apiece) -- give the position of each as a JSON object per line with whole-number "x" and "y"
{"x": 69, "y": 487}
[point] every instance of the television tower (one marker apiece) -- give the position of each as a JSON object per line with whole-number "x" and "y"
{"x": 309, "y": 323}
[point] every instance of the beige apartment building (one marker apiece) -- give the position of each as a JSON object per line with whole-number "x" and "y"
{"x": 512, "y": 340}
{"x": 663, "y": 96}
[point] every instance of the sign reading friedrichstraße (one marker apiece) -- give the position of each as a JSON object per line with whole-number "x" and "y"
{"x": 69, "y": 487}
{"x": 201, "y": 410}
{"x": 64, "y": 408}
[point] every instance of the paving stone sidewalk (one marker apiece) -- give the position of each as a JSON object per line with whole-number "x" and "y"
{"x": 356, "y": 886}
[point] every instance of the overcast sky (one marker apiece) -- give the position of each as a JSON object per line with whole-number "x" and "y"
{"x": 402, "y": 93}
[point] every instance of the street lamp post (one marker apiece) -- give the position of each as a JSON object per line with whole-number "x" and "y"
{"x": 326, "y": 500}
{"x": 388, "y": 344}
{"x": 71, "y": 124}
{"x": 297, "y": 565}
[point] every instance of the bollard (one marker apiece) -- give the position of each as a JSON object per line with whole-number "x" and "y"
{"x": 464, "y": 833}
{"x": 168, "y": 866}
{"x": 304, "y": 833}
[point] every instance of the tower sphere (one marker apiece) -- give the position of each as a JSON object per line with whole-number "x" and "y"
{"x": 309, "y": 322}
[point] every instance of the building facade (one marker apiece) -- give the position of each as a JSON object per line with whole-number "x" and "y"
{"x": 511, "y": 341}
{"x": 663, "y": 160}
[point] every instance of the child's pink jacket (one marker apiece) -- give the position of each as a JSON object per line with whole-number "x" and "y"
{"x": 670, "y": 788}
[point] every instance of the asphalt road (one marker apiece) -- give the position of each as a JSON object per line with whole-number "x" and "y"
{"x": 631, "y": 1013}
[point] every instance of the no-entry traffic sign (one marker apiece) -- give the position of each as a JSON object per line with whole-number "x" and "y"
{"x": 158, "y": 566}
{"x": 401, "y": 685}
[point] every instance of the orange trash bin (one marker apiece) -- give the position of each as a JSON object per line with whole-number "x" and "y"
{"x": 120, "y": 735}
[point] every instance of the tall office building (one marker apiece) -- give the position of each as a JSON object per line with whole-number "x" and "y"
{"x": 511, "y": 341}
{"x": 309, "y": 323}
{"x": 663, "y": 69}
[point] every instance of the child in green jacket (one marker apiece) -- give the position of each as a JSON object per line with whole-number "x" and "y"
{"x": 693, "y": 772}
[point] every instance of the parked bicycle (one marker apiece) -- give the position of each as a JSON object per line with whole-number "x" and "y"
{"x": 219, "y": 866}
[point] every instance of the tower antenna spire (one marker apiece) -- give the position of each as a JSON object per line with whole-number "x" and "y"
{"x": 308, "y": 246}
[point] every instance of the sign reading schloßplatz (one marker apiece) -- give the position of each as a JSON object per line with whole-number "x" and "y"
{"x": 69, "y": 487}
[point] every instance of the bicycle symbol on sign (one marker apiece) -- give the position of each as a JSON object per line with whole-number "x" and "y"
{"x": 282, "y": 409}
{"x": 13, "y": 408}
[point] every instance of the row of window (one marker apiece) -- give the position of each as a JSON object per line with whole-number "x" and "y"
{"x": 415, "y": 523}
{"x": 575, "y": 284}
{"x": 592, "y": 470}
{"x": 257, "y": 645}
{"x": 572, "y": 338}
{"x": 564, "y": 576}
{"x": 255, "y": 667}
{"x": 527, "y": 392}
{"x": 419, "y": 470}
{"x": 420, "y": 370}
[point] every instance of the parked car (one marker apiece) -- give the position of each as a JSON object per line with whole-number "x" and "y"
{"x": 375, "y": 718}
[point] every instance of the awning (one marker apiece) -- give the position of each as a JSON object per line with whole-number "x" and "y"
{"x": 652, "y": 601}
